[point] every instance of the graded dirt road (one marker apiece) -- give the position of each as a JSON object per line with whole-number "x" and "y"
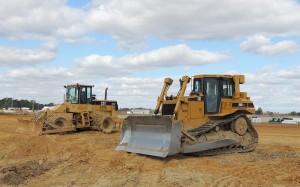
{"x": 89, "y": 159}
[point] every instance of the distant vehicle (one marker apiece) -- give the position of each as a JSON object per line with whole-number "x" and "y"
{"x": 276, "y": 120}
{"x": 291, "y": 121}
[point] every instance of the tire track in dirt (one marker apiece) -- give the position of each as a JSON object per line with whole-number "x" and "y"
{"x": 228, "y": 180}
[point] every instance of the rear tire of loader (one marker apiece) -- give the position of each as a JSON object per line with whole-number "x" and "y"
{"x": 108, "y": 125}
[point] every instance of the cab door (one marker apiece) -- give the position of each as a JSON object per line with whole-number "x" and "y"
{"x": 212, "y": 95}
{"x": 196, "y": 104}
{"x": 85, "y": 94}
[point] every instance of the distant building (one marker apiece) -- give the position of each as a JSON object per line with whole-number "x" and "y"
{"x": 140, "y": 111}
{"x": 47, "y": 107}
{"x": 259, "y": 119}
{"x": 255, "y": 119}
{"x": 274, "y": 120}
{"x": 291, "y": 121}
{"x": 12, "y": 109}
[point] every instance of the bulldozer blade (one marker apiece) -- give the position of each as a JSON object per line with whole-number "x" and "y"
{"x": 19, "y": 124}
{"x": 151, "y": 135}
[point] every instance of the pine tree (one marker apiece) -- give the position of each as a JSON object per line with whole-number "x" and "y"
{"x": 259, "y": 111}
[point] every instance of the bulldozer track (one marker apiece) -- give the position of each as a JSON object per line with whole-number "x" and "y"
{"x": 210, "y": 125}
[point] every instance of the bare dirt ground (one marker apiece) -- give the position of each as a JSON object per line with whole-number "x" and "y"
{"x": 89, "y": 159}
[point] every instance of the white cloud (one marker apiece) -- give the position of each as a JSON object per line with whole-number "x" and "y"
{"x": 186, "y": 69}
{"x": 129, "y": 23}
{"x": 272, "y": 89}
{"x": 133, "y": 21}
{"x": 40, "y": 19}
{"x": 46, "y": 85}
{"x": 95, "y": 67}
{"x": 132, "y": 92}
{"x": 164, "y": 57}
{"x": 275, "y": 90}
{"x": 80, "y": 40}
{"x": 51, "y": 45}
{"x": 42, "y": 84}
{"x": 23, "y": 57}
{"x": 263, "y": 45}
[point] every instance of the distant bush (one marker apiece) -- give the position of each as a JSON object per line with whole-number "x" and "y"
{"x": 259, "y": 111}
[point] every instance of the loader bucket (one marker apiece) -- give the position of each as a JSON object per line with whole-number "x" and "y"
{"x": 151, "y": 135}
{"x": 18, "y": 124}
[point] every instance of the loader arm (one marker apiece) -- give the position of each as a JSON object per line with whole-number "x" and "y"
{"x": 185, "y": 80}
{"x": 168, "y": 82}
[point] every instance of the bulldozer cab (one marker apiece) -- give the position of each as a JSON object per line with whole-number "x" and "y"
{"x": 210, "y": 96}
{"x": 213, "y": 89}
{"x": 79, "y": 94}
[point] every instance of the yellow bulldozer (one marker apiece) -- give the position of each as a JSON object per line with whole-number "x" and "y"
{"x": 210, "y": 120}
{"x": 80, "y": 111}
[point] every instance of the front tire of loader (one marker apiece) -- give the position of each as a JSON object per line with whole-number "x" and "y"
{"x": 61, "y": 122}
{"x": 108, "y": 125}
{"x": 53, "y": 124}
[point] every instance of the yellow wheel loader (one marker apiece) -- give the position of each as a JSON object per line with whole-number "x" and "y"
{"x": 210, "y": 120}
{"x": 80, "y": 111}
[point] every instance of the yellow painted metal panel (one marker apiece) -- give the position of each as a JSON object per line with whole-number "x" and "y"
{"x": 196, "y": 109}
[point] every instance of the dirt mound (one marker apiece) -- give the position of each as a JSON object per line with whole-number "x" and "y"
{"x": 17, "y": 174}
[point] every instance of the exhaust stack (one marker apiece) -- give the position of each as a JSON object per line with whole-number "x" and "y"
{"x": 105, "y": 96}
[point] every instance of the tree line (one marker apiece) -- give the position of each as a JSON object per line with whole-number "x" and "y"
{"x": 6, "y": 103}
{"x": 259, "y": 111}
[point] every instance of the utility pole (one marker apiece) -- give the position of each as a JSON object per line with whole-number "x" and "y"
{"x": 33, "y": 105}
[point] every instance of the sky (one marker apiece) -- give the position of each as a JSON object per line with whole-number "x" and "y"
{"x": 130, "y": 46}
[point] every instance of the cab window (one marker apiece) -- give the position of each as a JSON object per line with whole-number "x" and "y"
{"x": 228, "y": 88}
{"x": 89, "y": 94}
{"x": 197, "y": 87}
{"x": 85, "y": 95}
{"x": 72, "y": 94}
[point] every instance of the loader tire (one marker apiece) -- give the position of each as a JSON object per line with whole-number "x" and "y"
{"x": 61, "y": 122}
{"x": 108, "y": 125}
